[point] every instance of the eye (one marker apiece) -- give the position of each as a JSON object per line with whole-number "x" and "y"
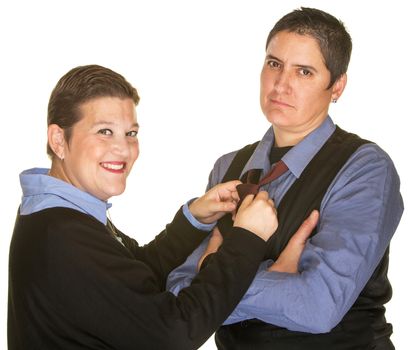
{"x": 132, "y": 133}
{"x": 273, "y": 64}
{"x": 305, "y": 72}
{"x": 105, "y": 132}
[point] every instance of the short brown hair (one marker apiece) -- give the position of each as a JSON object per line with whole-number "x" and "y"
{"x": 330, "y": 33}
{"x": 80, "y": 85}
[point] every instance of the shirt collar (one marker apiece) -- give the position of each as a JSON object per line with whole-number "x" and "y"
{"x": 296, "y": 158}
{"x": 41, "y": 191}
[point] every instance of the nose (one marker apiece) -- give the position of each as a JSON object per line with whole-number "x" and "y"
{"x": 120, "y": 146}
{"x": 282, "y": 82}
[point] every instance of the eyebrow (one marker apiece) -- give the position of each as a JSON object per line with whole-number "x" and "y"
{"x": 102, "y": 122}
{"x": 305, "y": 66}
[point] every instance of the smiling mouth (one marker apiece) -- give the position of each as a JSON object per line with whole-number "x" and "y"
{"x": 116, "y": 167}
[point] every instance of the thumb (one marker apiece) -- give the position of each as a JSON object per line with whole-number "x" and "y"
{"x": 246, "y": 202}
{"x": 231, "y": 185}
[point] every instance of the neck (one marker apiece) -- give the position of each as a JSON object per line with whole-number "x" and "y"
{"x": 284, "y": 139}
{"x": 57, "y": 170}
{"x": 290, "y": 136}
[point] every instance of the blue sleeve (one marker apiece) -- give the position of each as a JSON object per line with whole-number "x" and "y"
{"x": 193, "y": 221}
{"x": 358, "y": 218}
{"x": 182, "y": 276}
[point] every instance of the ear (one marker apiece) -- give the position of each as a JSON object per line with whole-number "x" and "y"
{"x": 338, "y": 87}
{"x": 56, "y": 140}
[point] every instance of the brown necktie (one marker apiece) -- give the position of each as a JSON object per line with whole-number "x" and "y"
{"x": 244, "y": 189}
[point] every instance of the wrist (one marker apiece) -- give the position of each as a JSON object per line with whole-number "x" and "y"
{"x": 193, "y": 208}
{"x": 194, "y": 220}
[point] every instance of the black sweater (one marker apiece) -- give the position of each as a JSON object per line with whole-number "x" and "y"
{"x": 73, "y": 286}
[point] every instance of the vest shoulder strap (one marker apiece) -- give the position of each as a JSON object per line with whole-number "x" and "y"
{"x": 307, "y": 192}
{"x": 239, "y": 162}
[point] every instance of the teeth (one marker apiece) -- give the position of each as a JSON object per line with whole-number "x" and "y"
{"x": 113, "y": 166}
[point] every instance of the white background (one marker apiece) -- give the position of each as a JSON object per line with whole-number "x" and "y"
{"x": 196, "y": 65}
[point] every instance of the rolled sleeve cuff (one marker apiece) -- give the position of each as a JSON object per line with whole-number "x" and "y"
{"x": 193, "y": 221}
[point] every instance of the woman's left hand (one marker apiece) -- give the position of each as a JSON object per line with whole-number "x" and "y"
{"x": 288, "y": 260}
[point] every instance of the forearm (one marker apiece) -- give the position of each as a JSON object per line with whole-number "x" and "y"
{"x": 313, "y": 301}
{"x": 223, "y": 281}
{"x": 182, "y": 275}
{"x": 172, "y": 246}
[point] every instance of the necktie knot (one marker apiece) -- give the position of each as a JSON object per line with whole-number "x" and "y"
{"x": 247, "y": 188}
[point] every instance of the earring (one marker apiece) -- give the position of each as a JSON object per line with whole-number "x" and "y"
{"x": 334, "y": 100}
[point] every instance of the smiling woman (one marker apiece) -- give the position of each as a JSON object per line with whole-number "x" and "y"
{"x": 102, "y": 148}
{"x": 71, "y": 270}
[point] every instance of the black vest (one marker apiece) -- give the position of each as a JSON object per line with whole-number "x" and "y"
{"x": 364, "y": 326}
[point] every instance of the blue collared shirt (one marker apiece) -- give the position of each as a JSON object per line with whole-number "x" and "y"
{"x": 358, "y": 216}
{"x": 41, "y": 191}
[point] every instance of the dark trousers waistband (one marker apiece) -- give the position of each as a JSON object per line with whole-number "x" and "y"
{"x": 255, "y": 334}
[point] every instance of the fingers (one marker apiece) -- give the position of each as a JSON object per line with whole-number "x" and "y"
{"x": 307, "y": 227}
{"x": 214, "y": 243}
{"x": 220, "y": 199}
{"x": 232, "y": 184}
{"x": 272, "y": 204}
{"x": 228, "y": 191}
{"x": 258, "y": 215}
{"x": 313, "y": 218}
{"x": 289, "y": 258}
{"x": 310, "y": 223}
{"x": 226, "y": 197}
{"x": 228, "y": 187}
{"x": 225, "y": 207}
{"x": 263, "y": 195}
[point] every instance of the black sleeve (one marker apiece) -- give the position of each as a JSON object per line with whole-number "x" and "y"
{"x": 116, "y": 300}
{"x": 170, "y": 248}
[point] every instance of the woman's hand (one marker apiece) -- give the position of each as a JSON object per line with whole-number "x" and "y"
{"x": 288, "y": 260}
{"x": 218, "y": 201}
{"x": 214, "y": 243}
{"x": 258, "y": 215}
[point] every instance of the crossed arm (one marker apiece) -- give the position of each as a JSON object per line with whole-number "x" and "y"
{"x": 358, "y": 217}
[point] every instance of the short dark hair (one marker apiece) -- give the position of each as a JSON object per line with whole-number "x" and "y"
{"x": 330, "y": 33}
{"x": 80, "y": 85}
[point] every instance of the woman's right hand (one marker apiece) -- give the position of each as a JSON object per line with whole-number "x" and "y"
{"x": 258, "y": 215}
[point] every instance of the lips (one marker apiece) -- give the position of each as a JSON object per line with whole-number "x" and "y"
{"x": 115, "y": 167}
{"x": 280, "y": 103}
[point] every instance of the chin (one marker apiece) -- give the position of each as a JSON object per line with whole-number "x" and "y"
{"x": 277, "y": 120}
{"x": 118, "y": 191}
{"x": 112, "y": 192}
